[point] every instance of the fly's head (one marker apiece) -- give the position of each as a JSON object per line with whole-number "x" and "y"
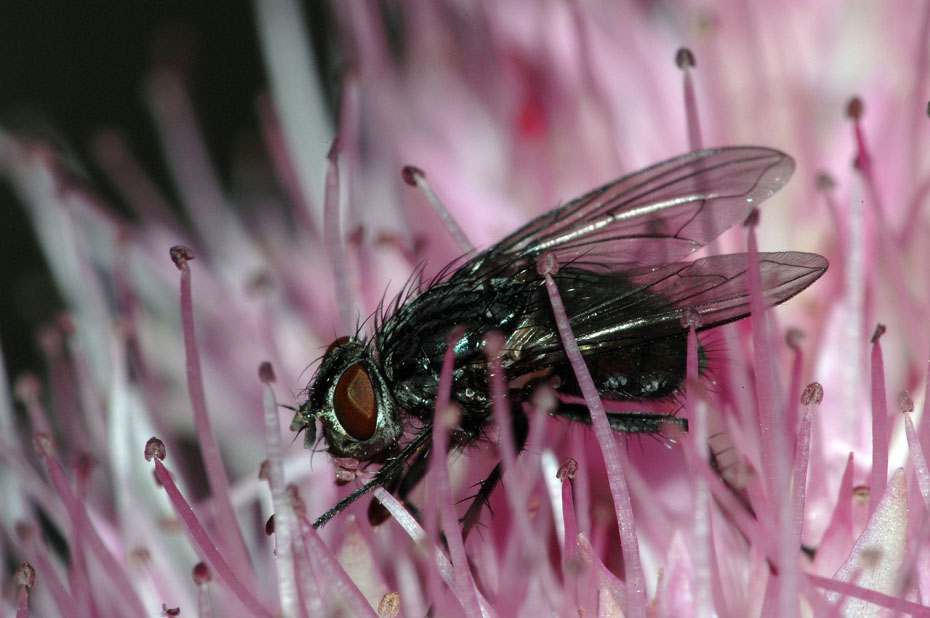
{"x": 352, "y": 400}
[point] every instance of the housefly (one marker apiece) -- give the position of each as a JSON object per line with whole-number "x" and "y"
{"x": 627, "y": 292}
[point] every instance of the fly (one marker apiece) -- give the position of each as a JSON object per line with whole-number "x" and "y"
{"x": 627, "y": 294}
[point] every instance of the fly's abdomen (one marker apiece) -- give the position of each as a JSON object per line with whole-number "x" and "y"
{"x": 650, "y": 371}
{"x": 606, "y": 314}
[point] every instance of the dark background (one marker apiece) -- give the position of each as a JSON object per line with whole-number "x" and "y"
{"x": 69, "y": 70}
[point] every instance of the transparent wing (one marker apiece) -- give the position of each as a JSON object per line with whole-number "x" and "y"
{"x": 656, "y": 216}
{"x": 650, "y": 304}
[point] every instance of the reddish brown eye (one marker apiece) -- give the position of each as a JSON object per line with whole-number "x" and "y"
{"x": 335, "y": 344}
{"x": 354, "y": 403}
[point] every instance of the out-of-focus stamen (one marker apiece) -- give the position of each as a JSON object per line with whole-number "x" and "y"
{"x": 415, "y": 177}
{"x": 684, "y": 59}
{"x": 228, "y": 528}
{"x": 29, "y": 536}
{"x": 410, "y": 525}
{"x": 25, "y": 579}
{"x": 444, "y": 419}
{"x": 155, "y": 451}
{"x": 285, "y": 525}
{"x": 879, "y": 473}
{"x": 610, "y": 447}
{"x": 134, "y": 185}
{"x": 346, "y": 588}
{"x": 85, "y": 532}
{"x": 295, "y": 91}
{"x": 202, "y": 577}
{"x": 335, "y": 241}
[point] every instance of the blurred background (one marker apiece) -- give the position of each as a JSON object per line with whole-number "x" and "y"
{"x": 69, "y": 71}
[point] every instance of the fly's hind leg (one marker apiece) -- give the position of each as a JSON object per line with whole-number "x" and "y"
{"x": 521, "y": 429}
{"x": 626, "y": 422}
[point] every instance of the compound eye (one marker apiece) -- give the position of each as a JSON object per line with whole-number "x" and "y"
{"x": 335, "y": 344}
{"x": 354, "y": 403}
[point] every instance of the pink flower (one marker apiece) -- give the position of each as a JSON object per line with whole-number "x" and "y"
{"x": 508, "y": 112}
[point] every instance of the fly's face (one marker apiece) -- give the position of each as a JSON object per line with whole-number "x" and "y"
{"x": 352, "y": 400}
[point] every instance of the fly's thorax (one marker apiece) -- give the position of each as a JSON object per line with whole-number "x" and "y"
{"x": 352, "y": 399}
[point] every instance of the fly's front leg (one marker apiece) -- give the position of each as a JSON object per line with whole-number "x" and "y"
{"x": 521, "y": 429}
{"x": 401, "y": 485}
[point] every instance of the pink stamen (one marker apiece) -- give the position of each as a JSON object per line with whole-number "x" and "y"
{"x": 770, "y": 410}
{"x": 27, "y": 390}
{"x": 854, "y": 111}
{"x": 204, "y": 606}
{"x": 229, "y": 535}
{"x": 790, "y": 572}
{"x": 684, "y": 59}
{"x": 414, "y": 176}
{"x": 25, "y": 579}
{"x": 85, "y": 532}
{"x": 346, "y": 588}
{"x": 913, "y": 219}
{"x": 877, "y": 556}
{"x": 439, "y": 475}
{"x": 91, "y": 400}
{"x": 69, "y": 416}
{"x": 594, "y": 91}
{"x": 889, "y": 252}
{"x": 308, "y": 578}
{"x": 202, "y": 577}
{"x": 285, "y": 524}
{"x": 922, "y": 475}
{"x": 32, "y": 540}
{"x": 295, "y": 92}
{"x": 133, "y": 184}
{"x": 775, "y": 451}
{"x": 847, "y": 589}
{"x": 130, "y": 308}
{"x": 517, "y": 491}
{"x": 879, "y": 476}
{"x": 22, "y": 602}
{"x": 706, "y": 575}
{"x": 825, "y": 186}
{"x": 413, "y": 529}
{"x": 193, "y": 172}
{"x": 793, "y": 338}
{"x": 915, "y": 134}
{"x": 607, "y": 606}
{"x": 493, "y": 343}
{"x": 201, "y": 574}
{"x": 310, "y": 600}
{"x": 605, "y": 578}
{"x": 419, "y": 536}
{"x": 570, "y": 543}
{"x": 653, "y": 520}
{"x": 566, "y": 474}
{"x": 923, "y": 427}
{"x": 921, "y": 471}
{"x": 736, "y": 512}
{"x": 335, "y": 242}
{"x": 444, "y": 392}
{"x": 838, "y": 535}
{"x": 282, "y": 163}
{"x": 610, "y": 448}
{"x": 155, "y": 451}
